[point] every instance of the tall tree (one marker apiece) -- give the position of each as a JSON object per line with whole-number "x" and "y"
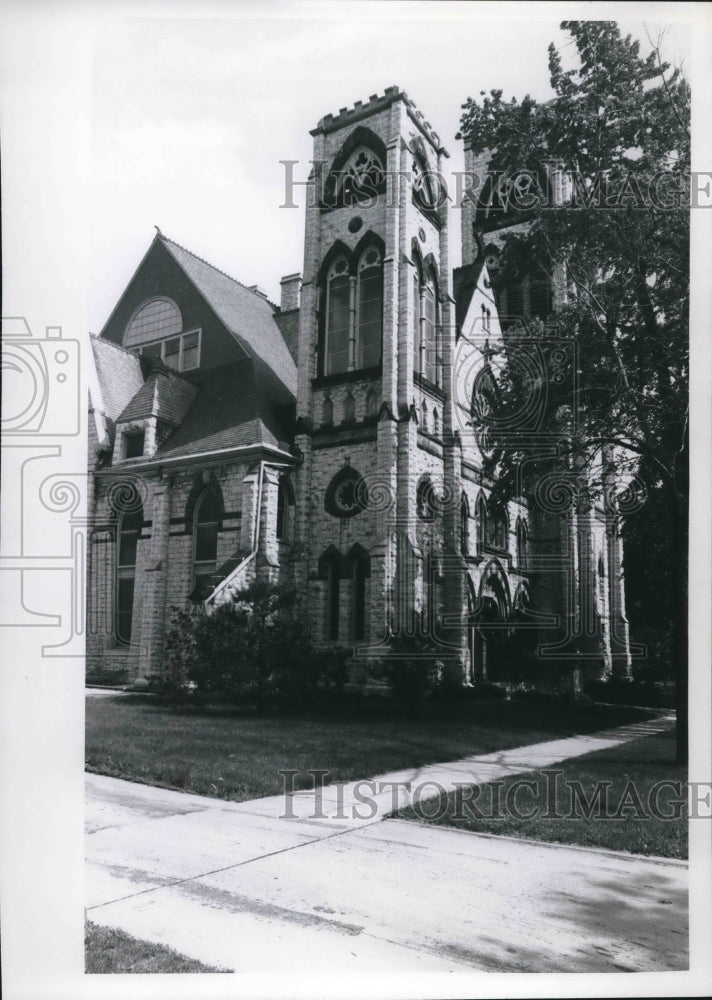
{"x": 615, "y": 144}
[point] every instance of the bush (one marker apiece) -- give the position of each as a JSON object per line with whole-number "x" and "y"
{"x": 411, "y": 669}
{"x": 617, "y": 692}
{"x": 249, "y": 650}
{"x": 485, "y": 691}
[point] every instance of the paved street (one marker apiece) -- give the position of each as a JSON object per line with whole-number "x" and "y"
{"x": 239, "y": 886}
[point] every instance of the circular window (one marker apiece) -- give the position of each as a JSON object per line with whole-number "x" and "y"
{"x": 355, "y": 224}
{"x": 346, "y": 494}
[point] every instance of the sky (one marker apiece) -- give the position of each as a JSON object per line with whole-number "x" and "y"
{"x": 124, "y": 114}
{"x": 190, "y": 116}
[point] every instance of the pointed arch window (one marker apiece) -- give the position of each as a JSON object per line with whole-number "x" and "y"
{"x": 369, "y": 322}
{"x": 415, "y": 323}
{"x": 436, "y": 422}
{"x": 361, "y": 177}
{"x": 349, "y": 408}
{"x": 464, "y": 526}
{"x": 359, "y": 567}
{"x": 328, "y": 411}
{"x": 128, "y": 532}
{"x": 330, "y": 573}
{"x": 285, "y": 507}
{"x": 496, "y": 528}
{"x": 481, "y": 522}
{"x": 425, "y": 499}
{"x": 428, "y": 335}
{"x": 522, "y": 543}
{"x": 424, "y": 416}
{"x": 354, "y": 314}
{"x": 338, "y": 317}
{"x": 206, "y": 523}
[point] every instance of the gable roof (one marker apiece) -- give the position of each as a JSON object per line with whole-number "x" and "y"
{"x": 247, "y": 315}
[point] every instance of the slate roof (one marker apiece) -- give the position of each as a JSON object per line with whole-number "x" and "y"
{"x": 246, "y": 314}
{"x": 163, "y": 395}
{"x": 464, "y": 284}
{"x": 233, "y": 406}
{"x": 120, "y": 375}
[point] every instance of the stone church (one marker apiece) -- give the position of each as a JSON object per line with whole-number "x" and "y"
{"x": 341, "y": 440}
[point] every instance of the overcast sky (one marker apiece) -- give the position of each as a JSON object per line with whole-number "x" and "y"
{"x": 121, "y": 115}
{"x": 190, "y": 117}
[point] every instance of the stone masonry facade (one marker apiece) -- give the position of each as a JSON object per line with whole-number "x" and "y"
{"x": 338, "y": 441}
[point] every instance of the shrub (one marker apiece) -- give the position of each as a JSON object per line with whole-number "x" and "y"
{"x": 485, "y": 691}
{"x": 411, "y": 669}
{"x": 249, "y": 650}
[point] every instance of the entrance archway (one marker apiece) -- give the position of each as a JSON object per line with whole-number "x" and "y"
{"x": 490, "y": 629}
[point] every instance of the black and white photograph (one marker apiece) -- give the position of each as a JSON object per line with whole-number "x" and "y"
{"x": 355, "y": 550}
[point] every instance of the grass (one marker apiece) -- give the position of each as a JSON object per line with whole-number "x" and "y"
{"x": 238, "y": 756}
{"x": 643, "y": 762}
{"x": 110, "y": 951}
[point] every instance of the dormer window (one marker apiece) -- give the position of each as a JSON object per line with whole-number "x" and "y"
{"x": 134, "y": 442}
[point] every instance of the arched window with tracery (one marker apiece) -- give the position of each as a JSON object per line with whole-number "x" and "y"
{"x": 353, "y": 332}
{"x": 206, "y": 524}
{"x": 338, "y": 295}
{"x": 128, "y": 533}
{"x": 369, "y": 322}
{"x": 361, "y": 177}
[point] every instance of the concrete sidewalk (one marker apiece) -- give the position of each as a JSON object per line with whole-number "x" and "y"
{"x": 240, "y": 886}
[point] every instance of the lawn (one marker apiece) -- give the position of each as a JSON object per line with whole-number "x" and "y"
{"x": 639, "y": 828}
{"x": 110, "y": 951}
{"x": 238, "y": 756}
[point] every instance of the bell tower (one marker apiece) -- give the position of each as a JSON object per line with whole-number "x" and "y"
{"x": 374, "y": 411}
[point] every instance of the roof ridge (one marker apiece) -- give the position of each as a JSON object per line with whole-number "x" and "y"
{"x": 247, "y": 288}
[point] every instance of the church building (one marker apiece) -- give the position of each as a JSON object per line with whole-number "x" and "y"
{"x": 341, "y": 439}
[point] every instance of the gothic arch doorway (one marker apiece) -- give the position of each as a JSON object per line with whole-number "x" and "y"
{"x": 490, "y": 624}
